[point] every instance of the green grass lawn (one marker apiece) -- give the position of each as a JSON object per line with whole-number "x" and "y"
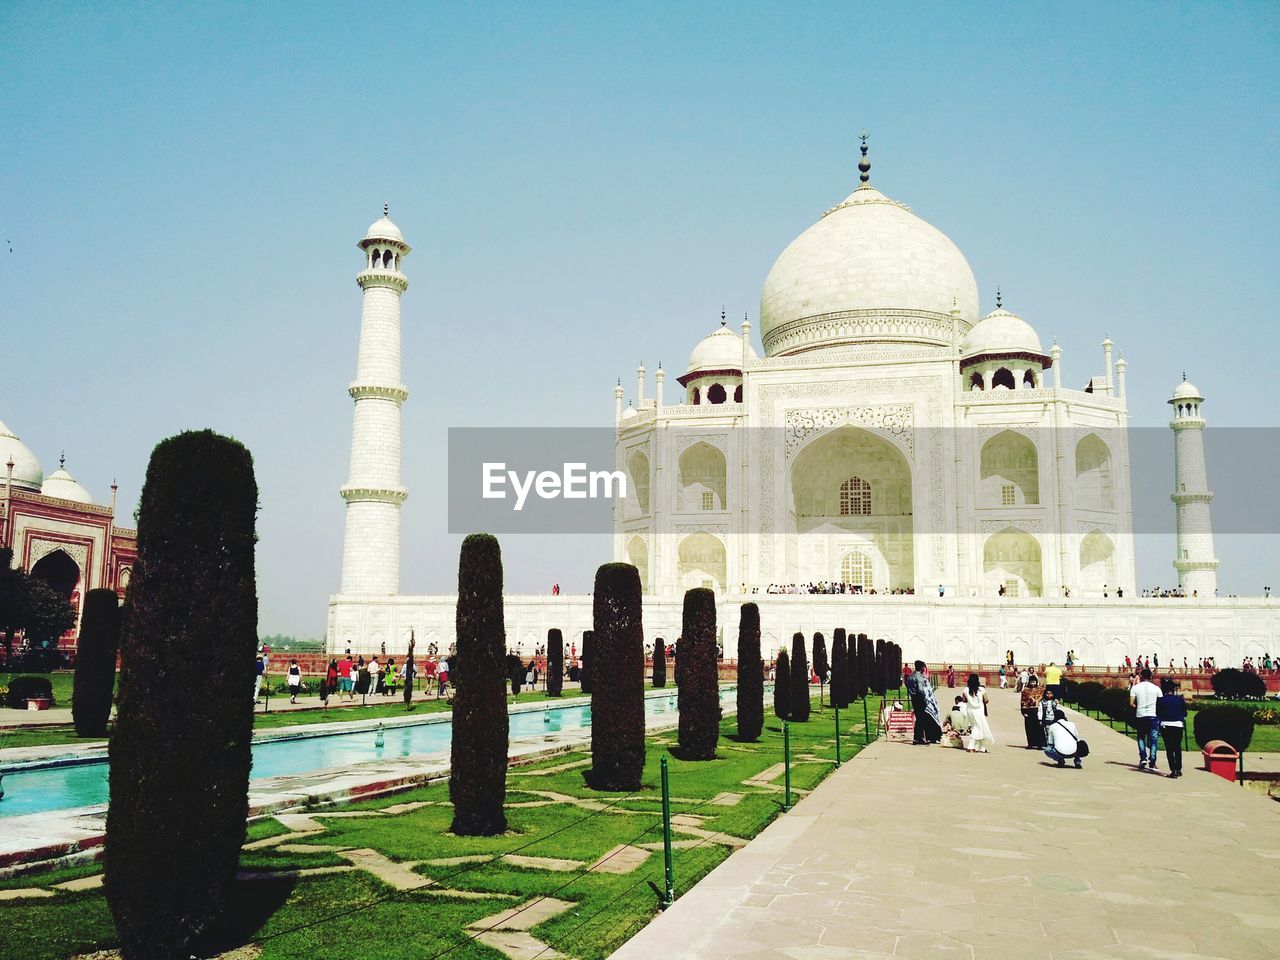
{"x": 355, "y": 914}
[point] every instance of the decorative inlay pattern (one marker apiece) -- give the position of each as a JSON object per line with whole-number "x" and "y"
{"x": 359, "y": 391}
{"x": 894, "y": 419}
{"x": 41, "y": 548}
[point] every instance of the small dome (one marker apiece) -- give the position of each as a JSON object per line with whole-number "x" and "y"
{"x": 1187, "y": 391}
{"x": 384, "y": 229}
{"x": 721, "y": 350}
{"x": 1001, "y": 332}
{"x": 628, "y": 413}
{"x": 26, "y": 468}
{"x": 62, "y": 485}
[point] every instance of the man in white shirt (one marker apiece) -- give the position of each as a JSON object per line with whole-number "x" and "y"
{"x": 1143, "y": 697}
{"x": 1062, "y": 740}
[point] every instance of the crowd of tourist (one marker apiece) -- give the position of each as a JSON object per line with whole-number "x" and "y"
{"x": 832, "y": 587}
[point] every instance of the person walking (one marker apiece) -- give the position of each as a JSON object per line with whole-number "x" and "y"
{"x": 294, "y": 679}
{"x": 389, "y": 678}
{"x": 1143, "y": 697}
{"x": 259, "y": 673}
{"x": 346, "y": 683}
{"x": 1004, "y": 678}
{"x": 928, "y": 726}
{"x": 1062, "y": 740}
{"x": 330, "y": 683}
{"x": 1052, "y": 677}
{"x": 979, "y": 737}
{"x": 1171, "y": 711}
{"x": 375, "y": 675}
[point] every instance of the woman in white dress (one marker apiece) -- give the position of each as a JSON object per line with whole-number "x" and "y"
{"x": 978, "y": 737}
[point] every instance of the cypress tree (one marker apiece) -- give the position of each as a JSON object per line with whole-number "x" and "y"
{"x": 699, "y": 698}
{"x": 95, "y": 675}
{"x": 799, "y": 680}
{"x": 782, "y": 687}
{"x": 893, "y": 678}
{"x": 180, "y": 755}
{"x": 840, "y": 669}
{"x": 864, "y": 663}
{"x": 585, "y": 664}
{"x": 410, "y": 670}
{"x": 617, "y": 696}
{"x": 750, "y": 674}
{"x": 876, "y": 678}
{"x": 660, "y": 663}
{"x": 478, "y": 777}
{"x": 820, "y": 665}
{"x": 555, "y": 662}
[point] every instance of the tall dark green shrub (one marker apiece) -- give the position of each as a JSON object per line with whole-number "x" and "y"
{"x": 840, "y": 669}
{"x": 617, "y": 695}
{"x": 820, "y": 664}
{"x": 750, "y": 674}
{"x": 96, "y": 650}
{"x": 875, "y": 678}
{"x": 660, "y": 663}
{"x": 782, "y": 687}
{"x": 1087, "y": 695}
{"x": 180, "y": 753}
{"x": 1233, "y": 684}
{"x": 478, "y": 776}
{"x": 1223, "y": 722}
{"x": 799, "y": 680}
{"x": 586, "y": 662}
{"x": 699, "y": 699}
{"x": 866, "y": 663}
{"x": 555, "y": 662}
{"x": 893, "y": 666}
{"x": 1114, "y": 703}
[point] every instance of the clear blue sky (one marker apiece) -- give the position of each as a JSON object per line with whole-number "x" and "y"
{"x": 584, "y": 186}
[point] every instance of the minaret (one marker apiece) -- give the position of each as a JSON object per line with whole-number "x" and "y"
{"x": 371, "y": 546}
{"x": 1195, "y": 562}
{"x": 660, "y": 380}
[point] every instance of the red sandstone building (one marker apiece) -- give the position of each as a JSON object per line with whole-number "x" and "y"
{"x": 57, "y": 532}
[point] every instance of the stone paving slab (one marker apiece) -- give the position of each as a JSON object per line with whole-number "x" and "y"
{"x": 928, "y": 852}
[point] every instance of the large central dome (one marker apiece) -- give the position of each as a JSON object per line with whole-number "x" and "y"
{"x": 870, "y": 271}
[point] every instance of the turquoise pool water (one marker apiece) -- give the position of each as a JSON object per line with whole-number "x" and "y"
{"x": 67, "y": 786}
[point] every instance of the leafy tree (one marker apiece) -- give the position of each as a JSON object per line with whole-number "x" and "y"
{"x": 840, "y": 669}
{"x": 555, "y": 662}
{"x": 95, "y": 676}
{"x": 782, "y": 687}
{"x": 800, "y": 705}
{"x": 617, "y": 696}
{"x": 750, "y": 691}
{"x": 660, "y": 663}
{"x": 478, "y": 776}
{"x": 697, "y": 662}
{"x": 180, "y": 754}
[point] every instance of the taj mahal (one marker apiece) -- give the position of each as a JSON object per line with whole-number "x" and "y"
{"x": 892, "y": 461}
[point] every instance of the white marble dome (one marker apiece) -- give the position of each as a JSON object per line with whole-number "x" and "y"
{"x": 870, "y": 270}
{"x": 62, "y": 485}
{"x": 384, "y": 229}
{"x": 1187, "y": 391}
{"x": 26, "y": 468}
{"x": 1001, "y": 332}
{"x": 719, "y": 350}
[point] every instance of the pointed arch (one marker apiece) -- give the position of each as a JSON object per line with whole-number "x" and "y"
{"x": 1095, "y": 484}
{"x": 1009, "y": 460}
{"x": 1011, "y": 558}
{"x": 703, "y": 479}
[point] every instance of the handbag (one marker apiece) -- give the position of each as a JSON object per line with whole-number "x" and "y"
{"x": 1082, "y": 746}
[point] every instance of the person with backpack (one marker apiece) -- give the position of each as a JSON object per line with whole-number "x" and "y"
{"x": 1062, "y": 741}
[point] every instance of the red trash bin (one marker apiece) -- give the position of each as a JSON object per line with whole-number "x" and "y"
{"x": 1221, "y": 758}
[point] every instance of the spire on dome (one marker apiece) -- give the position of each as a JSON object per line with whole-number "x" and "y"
{"x": 864, "y": 165}
{"x": 999, "y": 299}
{"x": 723, "y": 321}
{"x": 62, "y": 457}
{"x": 386, "y": 210}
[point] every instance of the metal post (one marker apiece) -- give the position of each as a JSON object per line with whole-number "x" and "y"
{"x": 670, "y": 895}
{"x": 837, "y": 709}
{"x": 786, "y": 760}
{"x": 266, "y": 683}
{"x": 866, "y": 723}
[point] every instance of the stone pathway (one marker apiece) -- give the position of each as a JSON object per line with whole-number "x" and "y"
{"x": 929, "y": 852}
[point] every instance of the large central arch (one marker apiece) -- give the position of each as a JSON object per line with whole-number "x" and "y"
{"x": 851, "y": 492}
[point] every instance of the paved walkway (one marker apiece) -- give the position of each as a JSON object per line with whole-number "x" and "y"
{"x": 927, "y": 852}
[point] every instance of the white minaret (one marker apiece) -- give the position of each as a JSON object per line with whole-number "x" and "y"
{"x": 1196, "y": 565}
{"x": 371, "y": 546}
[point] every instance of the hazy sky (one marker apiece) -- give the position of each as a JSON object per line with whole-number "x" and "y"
{"x": 584, "y": 186}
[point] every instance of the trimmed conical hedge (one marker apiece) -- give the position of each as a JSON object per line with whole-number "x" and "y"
{"x": 699, "y": 699}
{"x": 750, "y": 674}
{"x": 617, "y": 695}
{"x": 555, "y": 662}
{"x": 820, "y": 664}
{"x": 840, "y": 669}
{"x": 478, "y": 757}
{"x": 180, "y": 753}
{"x": 782, "y": 687}
{"x": 585, "y": 662}
{"x": 865, "y": 664}
{"x": 96, "y": 651}
{"x": 660, "y": 663}
{"x": 875, "y": 679}
{"x": 800, "y": 705}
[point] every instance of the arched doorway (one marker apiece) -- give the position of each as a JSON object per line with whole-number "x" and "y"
{"x": 1010, "y": 474}
{"x": 700, "y": 562}
{"x": 856, "y": 570}
{"x": 851, "y": 493}
{"x": 1011, "y": 559}
{"x": 1094, "y": 484}
{"x": 703, "y": 479}
{"x": 59, "y": 571}
{"x": 1097, "y": 564}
